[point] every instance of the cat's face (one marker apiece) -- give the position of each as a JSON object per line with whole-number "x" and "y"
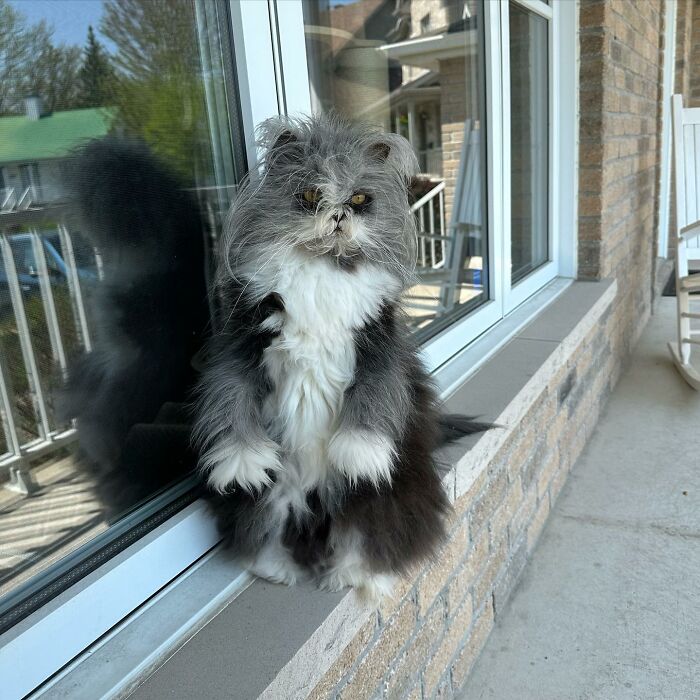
{"x": 337, "y": 216}
{"x": 332, "y": 188}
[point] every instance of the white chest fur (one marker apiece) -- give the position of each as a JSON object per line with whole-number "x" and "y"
{"x": 312, "y": 360}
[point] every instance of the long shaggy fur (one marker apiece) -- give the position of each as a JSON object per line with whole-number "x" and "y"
{"x": 316, "y": 420}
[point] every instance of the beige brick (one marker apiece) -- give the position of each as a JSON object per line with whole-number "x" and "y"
{"x": 403, "y": 589}
{"x": 438, "y": 664}
{"x": 479, "y": 633}
{"x": 549, "y": 469}
{"x": 404, "y": 672}
{"x": 344, "y": 662}
{"x": 488, "y": 500}
{"x": 498, "y": 526}
{"x": 466, "y": 500}
{"x": 538, "y": 522}
{"x": 373, "y": 667}
{"x": 484, "y": 583}
{"x": 523, "y": 516}
{"x": 416, "y": 693}
{"x": 522, "y": 449}
{"x": 441, "y": 569}
{"x": 467, "y": 573}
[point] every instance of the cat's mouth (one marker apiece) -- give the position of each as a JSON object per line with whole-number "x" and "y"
{"x": 339, "y": 242}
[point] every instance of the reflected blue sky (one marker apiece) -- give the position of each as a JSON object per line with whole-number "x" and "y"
{"x": 69, "y": 18}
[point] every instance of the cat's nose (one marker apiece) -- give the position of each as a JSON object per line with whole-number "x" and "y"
{"x": 338, "y": 217}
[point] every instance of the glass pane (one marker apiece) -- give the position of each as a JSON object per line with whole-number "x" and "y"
{"x": 416, "y": 67}
{"x": 103, "y": 305}
{"x": 529, "y": 142}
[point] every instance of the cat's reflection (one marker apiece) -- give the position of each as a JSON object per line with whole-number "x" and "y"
{"x": 149, "y": 313}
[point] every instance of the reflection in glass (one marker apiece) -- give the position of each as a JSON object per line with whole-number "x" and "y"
{"x": 529, "y": 129}
{"x": 415, "y": 67}
{"x": 116, "y": 168}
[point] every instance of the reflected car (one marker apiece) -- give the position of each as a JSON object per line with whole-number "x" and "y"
{"x": 28, "y": 271}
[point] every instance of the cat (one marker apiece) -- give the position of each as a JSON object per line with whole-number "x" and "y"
{"x": 149, "y": 316}
{"x": 316, "y": 420}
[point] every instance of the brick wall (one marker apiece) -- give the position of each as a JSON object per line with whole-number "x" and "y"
{"x": 424, "y": 642}
{"x": 621, "y": 91}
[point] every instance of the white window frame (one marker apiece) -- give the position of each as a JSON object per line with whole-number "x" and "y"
{"x": 271, "y": 67}
{"x": 503, "y": 297}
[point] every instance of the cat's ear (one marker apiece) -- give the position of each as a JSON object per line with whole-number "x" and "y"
{"x": 283, "y": 139}
{"x": 284, "y": 151}
{"x": 379, "y": 151}
{"x": 280, "y": 143}
{"x": 396, "y": 152}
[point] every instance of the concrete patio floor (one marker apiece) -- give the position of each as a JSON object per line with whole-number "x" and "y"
{"x": 609, "y": 606}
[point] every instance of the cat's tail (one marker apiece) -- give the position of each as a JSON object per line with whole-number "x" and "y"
{"x": 454, "y": 426}
{"x": 125, "y": 195}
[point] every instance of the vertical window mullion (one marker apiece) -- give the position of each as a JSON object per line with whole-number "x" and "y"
{"x": 255, "y": 62}
{"x": 495, "y": 172}
{"x": 506, "y": 230}
{"x": 553, "y": 135}
{"x": 292, "y": 51}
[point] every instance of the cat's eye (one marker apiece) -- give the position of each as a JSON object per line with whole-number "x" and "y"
{"x": 311, "y": 196}
{"x": 358, "y": 198}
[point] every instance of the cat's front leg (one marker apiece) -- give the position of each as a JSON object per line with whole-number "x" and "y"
{"x": 375, "y": 407}
{"x": 231, "y": 463}
{"x": 361, "y": 454}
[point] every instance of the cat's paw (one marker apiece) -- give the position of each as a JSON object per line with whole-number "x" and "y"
{"x": 370, "y": 588}
{"x": 274, "y": 563}
{"x": 362, "y": 455}
{"x": 231, "y": 464}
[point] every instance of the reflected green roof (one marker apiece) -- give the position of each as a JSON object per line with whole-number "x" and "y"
{"x": 52, "y": 136}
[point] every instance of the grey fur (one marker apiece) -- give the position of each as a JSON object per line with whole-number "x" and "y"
{"x": 330, "y": 154}
{"x": 397, "y": 523}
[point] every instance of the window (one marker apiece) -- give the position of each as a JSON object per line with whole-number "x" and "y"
{"x": 102, "y": 315}
{"x": 469, "y": 84}
{"x": 529, "y": 141}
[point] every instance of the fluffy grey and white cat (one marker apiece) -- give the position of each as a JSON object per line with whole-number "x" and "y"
{"x": 316, "y": 420}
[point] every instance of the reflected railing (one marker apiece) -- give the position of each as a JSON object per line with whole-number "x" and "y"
{"x": 28, "y": 304}
{"x": 431, "y": 220}
{"x": 44, "y": 320}
{"x": 14, "y": 199}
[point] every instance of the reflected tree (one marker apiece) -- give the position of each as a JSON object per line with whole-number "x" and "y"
{"x": 158, "y": 90}
{"x": 96, "y": 74}
{"x": 30, "y": 64}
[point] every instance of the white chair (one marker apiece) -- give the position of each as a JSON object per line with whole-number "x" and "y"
{"x": 686, "y": 158}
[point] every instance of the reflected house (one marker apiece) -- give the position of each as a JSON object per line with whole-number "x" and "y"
{"x": 412, "y": 67}
{"x": 34, "y": 146}
{"x": 408, "y": 63}
{"x": 439, "y": 56}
